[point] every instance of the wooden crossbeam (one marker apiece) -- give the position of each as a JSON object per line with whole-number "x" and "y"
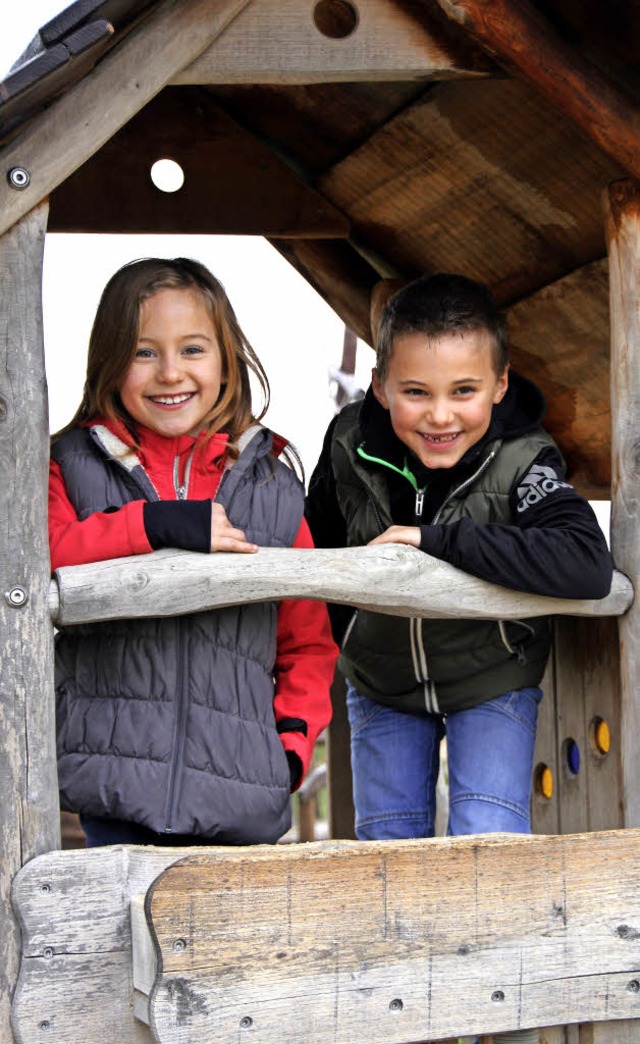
{"x": 394, "y": 579}
{"x": 279, "y": 41}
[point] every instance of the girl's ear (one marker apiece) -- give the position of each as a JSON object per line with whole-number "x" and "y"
{"x": 501, "y": 386}
{"x": 378, "y": 389}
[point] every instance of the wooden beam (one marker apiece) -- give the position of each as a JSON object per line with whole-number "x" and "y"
{"x": 29, "y": 819}
{"x": 280, "y": 41}
{"x": 622, "y": 205}
{"x": 233, "y": 184}
{"x": 74, "y": 127}
{"x": 371, "y": 941}
{"x": 394, "y": 579}
{"x": 521, "y": 39}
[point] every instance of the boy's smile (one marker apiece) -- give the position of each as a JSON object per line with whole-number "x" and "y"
{"x": 440, "y": 393}
{"x": 174, "y": 379}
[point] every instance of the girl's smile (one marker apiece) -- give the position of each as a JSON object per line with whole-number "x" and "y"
{"x": 174, "y": 380}
{"x": 440, "y": 393}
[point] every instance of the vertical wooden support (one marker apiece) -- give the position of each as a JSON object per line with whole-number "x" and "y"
{"x": 29, "y": 818}
{"x": 340, "y": 784}
{"x": 622, "y": 204}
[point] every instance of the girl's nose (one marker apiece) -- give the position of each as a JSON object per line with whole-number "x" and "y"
{"x": 169, "y": 368}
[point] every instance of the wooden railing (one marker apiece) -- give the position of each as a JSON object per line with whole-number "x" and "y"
{"x": 393, "y": 579}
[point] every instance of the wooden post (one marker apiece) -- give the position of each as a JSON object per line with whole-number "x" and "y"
{"x": 29, "y": 818}
{"x": 623, "y": 236}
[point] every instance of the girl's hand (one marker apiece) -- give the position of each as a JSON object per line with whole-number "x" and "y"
{"x": 224, "y": 537}
{"x": 399, "y": 535}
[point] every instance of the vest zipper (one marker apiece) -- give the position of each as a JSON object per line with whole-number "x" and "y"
{"x": 182, "y": 488}
{"x": 463, "y": 485}
{"x": 175, "y": 772}
{"x": 420, "y": 666}
{"x": 420, "y": 503}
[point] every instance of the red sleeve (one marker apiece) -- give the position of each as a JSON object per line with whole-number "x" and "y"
{"x": 305, "y": 661}
{"x": 111, "y": 534}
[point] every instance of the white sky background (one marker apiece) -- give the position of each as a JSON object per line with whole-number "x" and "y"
{"x": 296, "y": 335}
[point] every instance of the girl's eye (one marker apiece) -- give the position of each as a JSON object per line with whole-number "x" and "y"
{"x": 415, "y": 392}
{"x": 465, "y": 389}
{"x": 193, "y": 349}
{"x": 143, "y": 353}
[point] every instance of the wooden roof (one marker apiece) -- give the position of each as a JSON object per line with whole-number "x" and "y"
{"x": 370, "y": 141}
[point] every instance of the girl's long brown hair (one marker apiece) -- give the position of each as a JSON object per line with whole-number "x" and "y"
{"x": 114, "y": 336}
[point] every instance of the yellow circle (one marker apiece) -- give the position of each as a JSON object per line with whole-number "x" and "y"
{"x": 603, "y": 737}
{"x": 546, "y": 782}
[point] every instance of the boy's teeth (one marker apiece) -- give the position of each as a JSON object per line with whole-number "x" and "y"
{"x": 441, "y": 438}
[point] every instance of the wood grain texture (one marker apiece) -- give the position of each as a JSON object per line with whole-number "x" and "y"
{"x": 372, "y": 941}
{"x": 76, "y": 975}
{"x": 623, "y": 232}
{"x": 276, "y": 41}
{"x": 60, "y": 139}
{"x": 394, "y": 579}
{"x": 518, "y": 35}
{"x": 29, "y": 821}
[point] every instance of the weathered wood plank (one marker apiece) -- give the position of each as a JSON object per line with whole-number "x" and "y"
{"x": 76, "y": 976}
{"x": 29, "y": 822}
{"x": 623, "y": 235}
{"x": 521, "y": 39}
{"x": 56, "y": 142}
{"x": 371, "y": 940}
{"x": 394, "y": 579}
{"x": 276, "y": 41}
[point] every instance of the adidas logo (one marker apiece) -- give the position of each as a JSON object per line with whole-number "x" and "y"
{"x": 539, "y": 482}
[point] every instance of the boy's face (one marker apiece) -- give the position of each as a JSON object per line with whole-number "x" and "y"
{"x": 440, "y": 393}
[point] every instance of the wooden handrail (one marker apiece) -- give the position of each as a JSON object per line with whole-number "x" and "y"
{"x": 394, "y": 579}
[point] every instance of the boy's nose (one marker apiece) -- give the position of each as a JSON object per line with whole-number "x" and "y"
{"x": 439, "y": 411}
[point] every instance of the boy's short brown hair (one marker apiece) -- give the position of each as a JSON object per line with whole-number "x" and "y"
{"x": 438, "y": 305}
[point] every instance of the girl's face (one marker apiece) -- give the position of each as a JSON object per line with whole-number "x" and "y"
{"x": 174, "y": 380}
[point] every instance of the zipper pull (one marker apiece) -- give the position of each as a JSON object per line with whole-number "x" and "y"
{"x": 419, "y": 503}
{"x": 181, "y": 492}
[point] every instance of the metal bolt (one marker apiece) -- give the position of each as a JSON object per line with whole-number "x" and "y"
{"x": 396, "y": 1005}
{"x": 47, "y": 953}
{"x": 634, "y": 986}
{"x": 246, "y": 1022}
{"x": 497, "y": 996}
{"x": 45, "y": 1025}
{"x": 45, "y": 889}
{"x": 16, "y": 597}
{"x": 19, "y": 178}
{"x": 178, "y": 945}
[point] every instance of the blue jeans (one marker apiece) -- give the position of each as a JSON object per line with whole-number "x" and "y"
{"x": 396, "y": 757}
{"x": 99, "y": 831}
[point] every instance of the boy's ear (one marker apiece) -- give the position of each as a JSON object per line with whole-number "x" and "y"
{"x": 378, "y": 389}
{"x": 502, "y": 385}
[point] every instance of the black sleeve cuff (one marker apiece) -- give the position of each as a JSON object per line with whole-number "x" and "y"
{"x": 295, "y": 769}
{"x": 185, "y": 524}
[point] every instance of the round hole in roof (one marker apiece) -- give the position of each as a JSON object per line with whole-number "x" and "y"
{"x": 335, "y": 19}
{"x": 167, "y": 175}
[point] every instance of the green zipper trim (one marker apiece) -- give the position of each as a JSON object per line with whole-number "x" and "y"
{"x": 406, "y": 473}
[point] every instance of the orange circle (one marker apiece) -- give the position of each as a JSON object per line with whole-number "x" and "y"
{"x": 602, "y": 737}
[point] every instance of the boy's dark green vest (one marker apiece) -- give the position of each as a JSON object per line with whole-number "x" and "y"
{"x": 422, "y": 666}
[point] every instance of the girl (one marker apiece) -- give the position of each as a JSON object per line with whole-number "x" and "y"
{"x": 191, "y": 729}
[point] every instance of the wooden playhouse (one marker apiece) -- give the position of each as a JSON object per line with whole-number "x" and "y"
{"x": 369, "y": 141}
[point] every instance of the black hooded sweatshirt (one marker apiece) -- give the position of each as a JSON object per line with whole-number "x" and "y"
{"x": 554, "y": 545}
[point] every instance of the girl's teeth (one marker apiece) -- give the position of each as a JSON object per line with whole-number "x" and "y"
{"x": 170, "y": 400}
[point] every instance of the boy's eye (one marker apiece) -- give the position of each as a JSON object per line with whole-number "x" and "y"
{"x": 415, "y": 392}
{"x": 465, "y": 389}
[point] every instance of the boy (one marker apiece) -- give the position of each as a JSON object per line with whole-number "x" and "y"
{"x": 446, "y": 453}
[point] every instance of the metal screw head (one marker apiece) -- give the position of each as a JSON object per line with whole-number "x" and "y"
{"x": 16, "y": 597}
{"x": 246, "y": 1022}
{"x": 19, "y": 178}
{"x": 634, "y": 986}
{"x": 45, "y": 889}
{"x": 396, "y": 1004}
{"x": 497, "y": 996}
{"x": 47, "y": 953}
{"x": 178, "y": 945}
{"x": 44, "y": 1025}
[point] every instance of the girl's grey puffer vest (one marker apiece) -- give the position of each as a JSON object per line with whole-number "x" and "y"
{"x": 169, "y": 722}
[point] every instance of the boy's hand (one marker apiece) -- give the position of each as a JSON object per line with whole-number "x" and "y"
{"x": 224, "y": 537}
{"x": 399, "y": 535}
